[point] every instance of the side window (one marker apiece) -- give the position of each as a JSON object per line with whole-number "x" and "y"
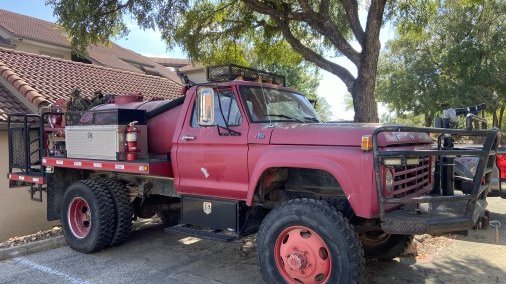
{"x": 229, "y": 110}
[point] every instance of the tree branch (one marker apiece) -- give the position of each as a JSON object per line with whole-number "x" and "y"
{"x": 351, "y": 8}
{"x": 374, "y": 22}
{"x": 330, "y": 31}
{"x": 118, "y": 8}
{"x": 212, "y": 14}
{"x": 262, "y": 8}
{"x": 313, "y": 56}
{"x": 320, "y": 24}
{"x": 324, "y": 7}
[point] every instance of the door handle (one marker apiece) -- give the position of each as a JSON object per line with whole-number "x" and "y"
{"x": 188, "y": 138}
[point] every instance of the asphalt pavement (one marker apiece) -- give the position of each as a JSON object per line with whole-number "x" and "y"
{"x": 154, "y": 256}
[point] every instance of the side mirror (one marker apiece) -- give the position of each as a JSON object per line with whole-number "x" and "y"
{"x": 205, "y": 99}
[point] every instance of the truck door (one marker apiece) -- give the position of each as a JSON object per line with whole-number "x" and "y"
{"x": 211, "y": 164}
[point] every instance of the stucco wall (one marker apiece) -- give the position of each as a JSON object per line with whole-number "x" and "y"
{"x": 19, "y": 215}
{"x": 198, "y": 77}
{"x": 38, "y": 49}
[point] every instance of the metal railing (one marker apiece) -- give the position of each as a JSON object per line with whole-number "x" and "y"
{"x": 25, "y": 139}
{"x": 485, "y": 154}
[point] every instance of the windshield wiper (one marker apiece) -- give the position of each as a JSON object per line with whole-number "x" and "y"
{"x": 311, "y": 118}
{"x": 285, "y": 116}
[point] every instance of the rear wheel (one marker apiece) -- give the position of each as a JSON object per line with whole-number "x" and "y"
{"x": 383, "y": 246}
{"x": 87, "y": 216}
{"x": 123, "y": 208}
{"x": 307, "y": 241}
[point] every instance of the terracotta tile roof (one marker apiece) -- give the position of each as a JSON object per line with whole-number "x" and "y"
{"x": 43, "y": 79}
{"x": 10, "y": 104}
{"x": 32, "y": 28}
{"x": 113, "y": 56}
{"x": 105, "y": 56}
{"x": 118, "y": 57}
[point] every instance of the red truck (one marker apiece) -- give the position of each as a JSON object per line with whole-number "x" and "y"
{"x": 234, "y": 157}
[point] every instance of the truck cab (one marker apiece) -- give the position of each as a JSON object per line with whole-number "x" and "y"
{"x": 244, "y": 154}
{"x": 223, "y": 130}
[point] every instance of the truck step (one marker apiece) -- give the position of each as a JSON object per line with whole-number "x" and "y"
{"x": 202, "y": 233}
{"x": 416, "y": 225}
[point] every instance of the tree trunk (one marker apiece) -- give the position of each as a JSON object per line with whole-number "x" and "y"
{"x": 494, "y": 118}
{"x": 501, "y": 116}
{"x": 364, "y": 103}
{"x": 428, "y": 119}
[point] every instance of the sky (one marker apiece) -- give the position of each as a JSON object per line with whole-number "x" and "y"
{"x": 149, "y": 43}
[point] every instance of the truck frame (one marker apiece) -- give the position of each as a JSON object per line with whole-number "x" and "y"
{"x": 320, "y": 196}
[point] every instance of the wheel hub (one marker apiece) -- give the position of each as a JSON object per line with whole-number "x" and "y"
{"x": 297, "y": 261}
{"x": 302, "y": 256}
{"x": 79, "y": 217}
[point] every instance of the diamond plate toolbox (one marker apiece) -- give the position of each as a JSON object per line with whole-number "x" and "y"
{"x": 101, "y": 142}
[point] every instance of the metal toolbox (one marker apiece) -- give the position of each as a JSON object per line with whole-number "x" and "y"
{"x": 211, "y": 213}
{"x": 101, "y": 142}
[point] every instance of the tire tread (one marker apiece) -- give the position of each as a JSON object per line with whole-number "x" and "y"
{"x": 350, "y": 237}
{"x": 105, "y": 208}
{"x": 124, "y": 212}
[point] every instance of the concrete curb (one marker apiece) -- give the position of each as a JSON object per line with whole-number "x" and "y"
{"x": 31, "y": 248}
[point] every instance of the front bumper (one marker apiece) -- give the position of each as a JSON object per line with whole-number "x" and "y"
{"x": 435, "y": 212}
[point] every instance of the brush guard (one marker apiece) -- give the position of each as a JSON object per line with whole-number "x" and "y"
{"x": 436, "y": 212}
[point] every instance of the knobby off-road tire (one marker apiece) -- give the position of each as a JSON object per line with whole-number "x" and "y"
{"x": 123, "y": 208}
{"x": 306, "y": 240}
{"x": 384, "y": 247}
{"x": 87, "y": 216}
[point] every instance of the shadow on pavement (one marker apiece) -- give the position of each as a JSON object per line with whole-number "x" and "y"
{"x": 449, "y": 270}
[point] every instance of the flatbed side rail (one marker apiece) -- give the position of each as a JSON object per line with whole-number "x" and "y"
{"x": 486, "y": 155}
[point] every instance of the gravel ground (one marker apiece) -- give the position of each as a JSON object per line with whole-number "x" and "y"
{"x": 42, "y": 235}
{"x": 157, "y": 257}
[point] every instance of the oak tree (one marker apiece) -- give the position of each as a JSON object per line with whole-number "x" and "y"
{"x": 315, "y": 29}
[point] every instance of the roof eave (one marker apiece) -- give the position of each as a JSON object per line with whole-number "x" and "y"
{"x": 18, "y": 95}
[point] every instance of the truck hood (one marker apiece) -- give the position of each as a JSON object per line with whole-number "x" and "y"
{"x": 340, "y": 134}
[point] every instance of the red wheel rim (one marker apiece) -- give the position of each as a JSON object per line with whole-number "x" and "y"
{"x": 79, "y": 217}
{"x": 302, "y": 256}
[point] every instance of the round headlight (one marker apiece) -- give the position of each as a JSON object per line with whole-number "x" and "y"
{"x": 389, "y": 178}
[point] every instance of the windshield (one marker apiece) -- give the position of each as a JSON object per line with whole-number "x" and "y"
{"x": 272, "y": 105}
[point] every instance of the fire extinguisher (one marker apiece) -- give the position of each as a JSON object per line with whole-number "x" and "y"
{"x": 132, "y": 133}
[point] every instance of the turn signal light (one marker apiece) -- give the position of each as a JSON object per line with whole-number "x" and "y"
{"x": 366, "y": 144}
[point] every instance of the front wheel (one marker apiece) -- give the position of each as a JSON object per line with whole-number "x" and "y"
{"x": 307, "y": 241}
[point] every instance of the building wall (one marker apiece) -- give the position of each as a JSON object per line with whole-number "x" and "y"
{"x": 19, "y": 215}
{"x": 31, "y": 47}
{"x": 198, "y": 76}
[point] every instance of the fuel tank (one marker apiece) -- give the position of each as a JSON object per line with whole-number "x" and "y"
{"x": 162, "y": 120}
